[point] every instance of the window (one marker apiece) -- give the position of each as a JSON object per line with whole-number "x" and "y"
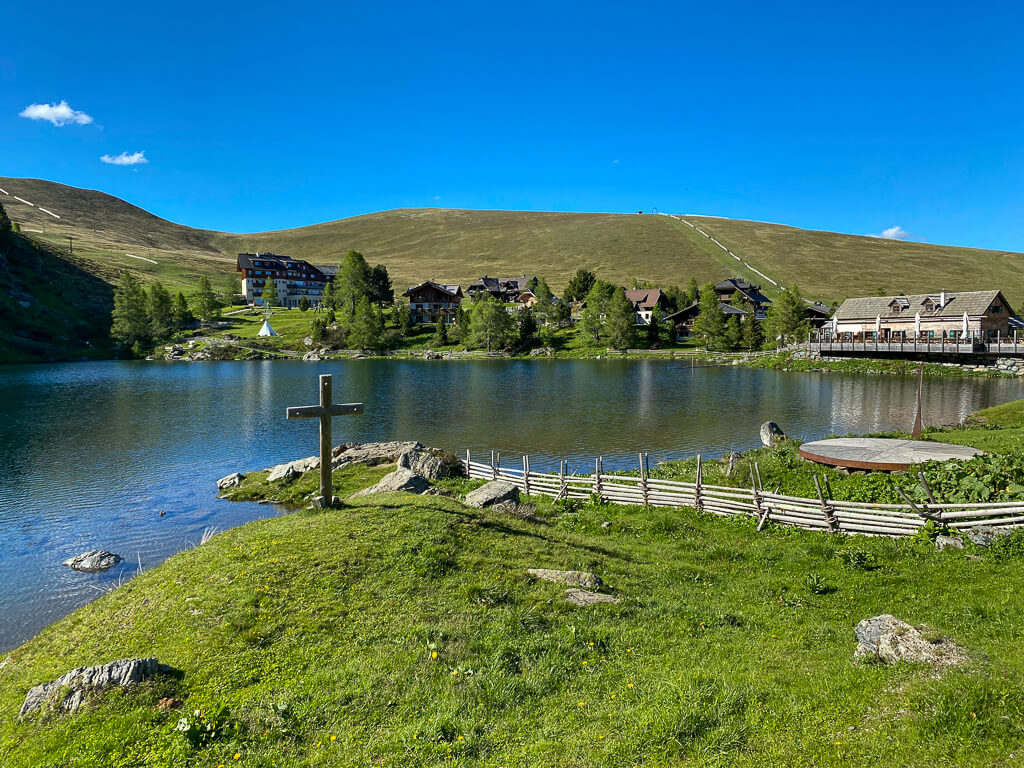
{"x": 995, "y": 309}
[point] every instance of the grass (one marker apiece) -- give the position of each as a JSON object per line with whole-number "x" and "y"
{"x": 460, "y": 246}
{"x": 403, "y": 631}
{"x": 787, "y": 361}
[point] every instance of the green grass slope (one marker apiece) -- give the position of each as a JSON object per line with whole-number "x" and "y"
{"x": 403, "y": 631}
{"x": 834, "y": 266}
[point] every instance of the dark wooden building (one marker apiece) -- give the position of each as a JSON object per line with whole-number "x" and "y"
{"x": 431, "y": 302}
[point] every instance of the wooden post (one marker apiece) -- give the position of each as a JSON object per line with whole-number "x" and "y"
{"x": 917, "y": 418}
{"x": 757, "y": 473}
{"x": 469, "y": 461}
{"x": 643, "y": 479}
{"x": 698, "y": 502}
{"x": 497, "y": 466}
{"x": 526, "y": 474}
{"x": 325, "y": 411}
{"x": 597, "y": 477}
{"x": 830, "y": 518}
{"x": 922, "y": 510}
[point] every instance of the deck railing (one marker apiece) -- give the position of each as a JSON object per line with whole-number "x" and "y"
{"x": 868, "y": 342}
{"x": 821, "y": 514}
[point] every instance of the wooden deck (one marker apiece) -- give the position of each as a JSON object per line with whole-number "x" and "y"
{"x": 877, "y": 453}
{"x": 952, "y": 347}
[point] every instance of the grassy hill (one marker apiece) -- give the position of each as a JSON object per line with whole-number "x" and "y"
{"x": 403, "y": 631}
{"x": 460, "y": 245}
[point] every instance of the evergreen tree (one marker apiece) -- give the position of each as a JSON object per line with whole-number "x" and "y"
{"x": 594, "y": 315}
{"x": 403, "y": 318}
{"x": 544, "y": 309}
{"x": 364, "y": 330}
{"x": 318, "y": 328}
{"x": 733, "y": 332}
{"x": 159, "y": 310}
{"x": 491, "y": 325}
{"x": 654, "y": 327}
{"x": 619, "y": 321}
{"x": 563, "y": 312}
{"x": 204, "y": 301}
{"x": 381, "y": 291}
{"x": 526, "y": 329}
{"x": 181, "y": 315}
{"x": 269, "y": 293}
{"x": 751, "y": 333}
{"x": 786, "y": 322}
{"x": 579, "y": 285}
{"x": 440, "y": 337}
{"x": 676, "y": 297}
{"x": 710, "y": 322}
{"x": 328, "y": 299}
{"x": 231, "y": 288}
{"x": 130, "y": 326}
{"x": 352, "y": 281}
{"x": 303, "y": 304}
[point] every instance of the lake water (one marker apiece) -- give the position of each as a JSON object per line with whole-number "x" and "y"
{"x": 93, "y": 452}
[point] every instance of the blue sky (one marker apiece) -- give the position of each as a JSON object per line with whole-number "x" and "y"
{"x": 848, "y": 117}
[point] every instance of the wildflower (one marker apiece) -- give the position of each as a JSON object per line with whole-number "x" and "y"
{"x": 613, "y": 695}
{"x": 973, "y": 714}
{"x": 237, "y": 755}
{"x": 591, "y": 645}
{"x": 460, "y": 738}
{"x": 334, "y": 738}
{"x": 630, "y": 685}
{"x": 433, "y": 654}
{"x": 581, "y": 704}
{"x": 584, "y": 663}
{"x": 629, "y": 650}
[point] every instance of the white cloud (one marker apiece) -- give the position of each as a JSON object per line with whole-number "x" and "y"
{"x": 58, "y": 114}
{"x": 437, "y": 197}
{"x": 135, "y": 158}
{"x": 893, "y": 233}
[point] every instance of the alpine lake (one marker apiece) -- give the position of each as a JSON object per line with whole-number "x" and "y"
{"x": 125, "y": 456}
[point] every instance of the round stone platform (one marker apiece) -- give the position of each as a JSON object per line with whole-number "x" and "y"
{"x": 881, "y": 453}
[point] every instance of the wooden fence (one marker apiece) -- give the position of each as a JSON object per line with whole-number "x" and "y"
{"x": 822, "y": 513}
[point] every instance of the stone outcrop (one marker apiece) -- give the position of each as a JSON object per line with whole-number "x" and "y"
{"x": 399, "y": 481}
{"x": 571, "y": 578}
{"x": 582, "y": 598}
{"x": 93, "y": 562}
{"x": 494, "y": 492}
{"x": 985, "y": 535}
{"x": 948, "y": 542}
{"x": 231, "y": 481}
{"x": 290, "y": 470}
{"x": 771, "y": 434}
{"x": 888, "y": 640}
{"x": 70, "y": 690}
{"x": 432, "y": 464}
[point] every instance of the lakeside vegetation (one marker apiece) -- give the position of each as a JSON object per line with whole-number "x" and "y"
{"x": 402, "y": 630}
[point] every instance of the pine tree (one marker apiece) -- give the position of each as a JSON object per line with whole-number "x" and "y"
{"x": 544, "y": 309}
{"x": 710, "y": 322}
{"x": 751, "y": 333}
{"x": 786, "y": 322}
{"x": 364, "y": 330}
{"x": 403, "y": 318}
{"x": 692, "y": 291}
{"x": 594, "y": 316}
{"x": 159, "y": 310}
{"x": 580, "y": 285}
{"x": 526, "y": 329}
{"x": 440, "y": 338}
{"x": 654, "y": 327}
{"x": 269, "y": 294}
{"x": 352, "y": 281}
{"x": 491, "y": 325}
{"x": 181, "y": 315}
{"x": 733, "y": 332}
{"x": 204, "y": 301}
{"x": 328, "y": 298}
{"x": 380, "y": 288}
{"x": 318, "y": 328}
{"x": 303, "y": 304}
{"x": 619, "y": 325}
{"x": 130, "y": 325}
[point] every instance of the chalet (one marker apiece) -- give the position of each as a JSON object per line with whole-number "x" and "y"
{"x": 682, "y": 320}
{"x": 645, "y": 302}
{"x": 504, "y": 289}
{"x": 817, "y": 314}
{"x": 294, "y": 278}
{"x": 976, "y": 314}
{"x": 749, "y": 293}
{"x": 431, "y": 302}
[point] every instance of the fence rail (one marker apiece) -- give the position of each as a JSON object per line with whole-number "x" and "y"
{"x": 821, "y": 513}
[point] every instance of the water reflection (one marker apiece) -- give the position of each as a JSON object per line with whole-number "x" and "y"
{"x": 93, "y": 452}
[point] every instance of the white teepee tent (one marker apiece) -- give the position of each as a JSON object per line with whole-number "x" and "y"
{"x": 266, "y": 329}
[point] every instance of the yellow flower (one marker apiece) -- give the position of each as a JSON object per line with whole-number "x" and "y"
{"x": 582, "y": 704}
{"x": 237, "y": 755}
{"x": 433, "y": 654}
{"x": 591, "y": 645}
{"x": 613, "y": 695}
{"x": 460, "y": 738}
{"x": 334, "y": 738}
{"x": 584, "y": 663}
{"x": 630, "y": 685}
{"x": 629, "y": 650}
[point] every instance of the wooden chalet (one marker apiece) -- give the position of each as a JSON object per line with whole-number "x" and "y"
{"x": 432, "y": 302}
{"x": 749, "y": 293}
{"x": 645, "y": 302}
{"x": 942, "y": 315}
{"x": 682, "y": 321}
{"x": 294, "y": 278}
{"x": 504, "y": 289}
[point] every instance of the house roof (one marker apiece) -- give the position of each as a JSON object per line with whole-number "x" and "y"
{"x": 748, "y": 289}
{"x": 501, "y": 283}
{"x": 972, "y": 302}
{"x": 727, "y": 309}
{"x": 817, "y": 308}
{"x": 645, "y": 298}
{"x": 453, "y": 290}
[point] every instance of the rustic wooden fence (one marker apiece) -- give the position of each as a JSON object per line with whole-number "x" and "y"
{"x": 822, "y": 513}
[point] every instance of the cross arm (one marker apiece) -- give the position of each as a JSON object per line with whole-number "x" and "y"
{"x": 315, "y": 411}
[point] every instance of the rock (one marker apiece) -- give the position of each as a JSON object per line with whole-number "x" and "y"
{"x": 948, "y": 542}
{"x": 399, "y": 481}
{"x": 606, "y": 524}
{"x": 232, "y": 480}
{"x": 490, "y": 493}
{"x": 168, "y": 703}
{"x": 889, "y": 640}
{"x": 292, "y": 469}
{"x": 582, "y": 598}
{"x": 538, "y": 351}
{"x": 772, "y": 434}
{"x": 70, "y": 690}
{"x": 515, "y": 509}
{"x": 985, "y": 535}
{"x": 433, "y": 465}
{"x": 732, "y": 460}
{"x": 372, "y": 454}
{"x": 93, "y": 562}
{"x": 311, "y": 357}
{"x": 572, "y": 578}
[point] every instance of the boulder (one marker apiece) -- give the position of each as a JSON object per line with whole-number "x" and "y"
{"x": 399, "y": 481}
{"x": 310, "y": 356}
{"x": 490, "y": 493}
{"x": 432, "y": 464}
{"x": 948, "y": 542}
{"x": 231, "y": 481}
{"x": 70, "y": 690}
{"x": 985, "y": 535}
{"x": 292, "y": 469}
{"x": 372, "y": 454}
{"x": 889, "y": 640}
{"x": 582, "y": 598}
{"x": 93, "y": 562}
{"x": 771, "y": 434}
{"x": 572, "y": 578}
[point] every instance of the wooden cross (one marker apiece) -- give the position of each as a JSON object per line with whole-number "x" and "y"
{"x": 325, "y": 412}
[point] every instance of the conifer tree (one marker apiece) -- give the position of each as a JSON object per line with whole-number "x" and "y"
{"x": 303, "y": 304}
{"x": 380, "y": 288}
{"x": 580, "y": 285}
{"x": 786, "y": 322}
{"x": 352, "y": 281}
{"x": 204, "y": 301}
{"x": 619, "y": 325}
{"x": 654, "y": 327}
{"x": 491, "y": 325}
{"x": 544, "y": 309}
{"x": 733, "y": 332}
{"x": 403, "y": 318}
{"x": 692, "y": 291}
{"x": 526, "y": 329}
{"x": 440, "y": 338}
{"x": 130, "y": 324}
{"x": 181, "y": 315}
{"x": 752, "y": 333}
{"x": 328, "y": 299}
{"x": 364, "y": 330}
{"x": 269, "y": 294}
{"x": 159, "y": 310}
{"x": 710, "y": 322}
